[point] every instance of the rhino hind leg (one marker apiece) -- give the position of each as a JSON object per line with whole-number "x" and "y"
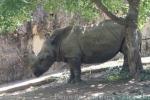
{"x": 125, "y": 66}
{"x": 125, "y": 63}
{"x": 72, "y": 76}
{"x": 75, "y": 70}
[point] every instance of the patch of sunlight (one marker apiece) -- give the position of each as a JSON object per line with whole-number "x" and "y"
{"x": 142, "y": 97}
{"x": 2, "y": 94}
{"x": 126, "y": 84}
{"x": 71, "y": 90}
{"x": 36, "y": 97}
{"x": 145, "y": 60}
{"x": 129, "y": 87}
{"x": 103, "y": 65}
{"x": 100, "y": 86}
{"x": 92, "y": 86}
{"x": 25, "y": 83}
{"x": 15, "y": 93}
{"x": 82, "y": 97}
{"x": 132, "y": 81}
{"x": 97, "y": 94}
{"x": 31, "y": 88}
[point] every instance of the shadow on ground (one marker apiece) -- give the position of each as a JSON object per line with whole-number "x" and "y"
{"x": 102, "y": 85}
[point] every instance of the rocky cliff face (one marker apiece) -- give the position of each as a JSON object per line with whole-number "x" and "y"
{"x": 12, "y": 66}
{"x": 146, "y": 39}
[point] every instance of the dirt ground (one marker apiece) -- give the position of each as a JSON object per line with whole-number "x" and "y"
{"x": 94, "y": 88}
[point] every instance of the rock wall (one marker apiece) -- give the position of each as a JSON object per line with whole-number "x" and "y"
{"x": 11, "y": 62}
{"x": 146, "y": 39}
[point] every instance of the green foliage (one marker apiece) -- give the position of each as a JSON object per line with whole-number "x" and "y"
{"x": 115, "y": 74}
{"x": 14, "y": 12}
{"x": 144, "y": 12}
{"x": 145, "y": 75}
{"x": 118, "y": 7}
{"x": 83, "y": 7}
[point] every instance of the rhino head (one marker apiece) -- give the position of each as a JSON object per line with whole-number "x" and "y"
{"x": 48, "y": 54}
{"x": 44, "y": 59}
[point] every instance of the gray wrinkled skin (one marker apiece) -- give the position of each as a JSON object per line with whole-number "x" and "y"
{"x": 75, "y": 47}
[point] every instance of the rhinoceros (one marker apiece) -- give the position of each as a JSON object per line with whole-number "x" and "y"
{"x": 75, "y": 46}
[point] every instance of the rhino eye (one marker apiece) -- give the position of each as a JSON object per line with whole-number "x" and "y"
{"x": 41, "y": 59}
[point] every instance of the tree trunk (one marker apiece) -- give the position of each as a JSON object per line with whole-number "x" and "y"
{"x": 132, "y": 39}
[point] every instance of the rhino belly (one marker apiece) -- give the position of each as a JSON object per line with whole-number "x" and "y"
{"x": 101, "y": 52}
{"x": 99, "y": 58}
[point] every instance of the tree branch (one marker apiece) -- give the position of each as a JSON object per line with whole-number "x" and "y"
{"x": 133, "y": 12}
{"x": 100, "y": 5}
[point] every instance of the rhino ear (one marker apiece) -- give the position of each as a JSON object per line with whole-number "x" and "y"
{"x": 54, "y": 37}
{"x": 58, "y": 34}
{"x": 47, "y": 35}
{"x": 49, "y": 38}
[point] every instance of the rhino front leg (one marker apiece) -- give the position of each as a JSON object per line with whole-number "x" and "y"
{"x": 75, "y": 70}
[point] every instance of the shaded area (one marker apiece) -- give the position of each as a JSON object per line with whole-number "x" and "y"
{"x": 97, "y": 86}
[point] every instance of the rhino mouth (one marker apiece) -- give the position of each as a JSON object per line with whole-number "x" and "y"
{"x": 41, "y": 66}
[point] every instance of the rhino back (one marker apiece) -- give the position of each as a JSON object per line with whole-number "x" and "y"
{"x": 102, "y": 42}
